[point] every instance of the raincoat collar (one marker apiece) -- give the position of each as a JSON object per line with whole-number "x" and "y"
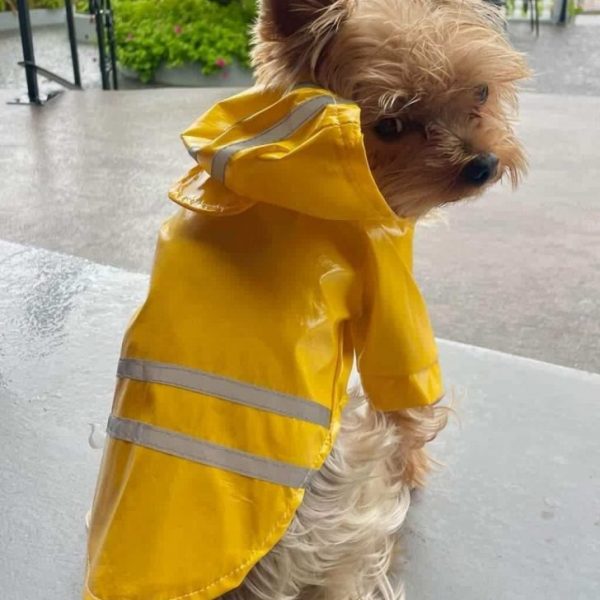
{"x": 302, "y": 150}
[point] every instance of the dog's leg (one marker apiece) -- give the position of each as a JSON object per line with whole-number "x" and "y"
{"x": 418, "y": 426}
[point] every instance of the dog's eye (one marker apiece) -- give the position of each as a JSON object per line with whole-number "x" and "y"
{"x": 481, "y": 93}
{"x": 389, "y": 128}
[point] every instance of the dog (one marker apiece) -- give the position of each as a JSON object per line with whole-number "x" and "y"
{"x": 436, "y": 82}
{"x": 235, "y": 467}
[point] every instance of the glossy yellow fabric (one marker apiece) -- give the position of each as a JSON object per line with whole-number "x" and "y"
{"x": 276, "y": 278}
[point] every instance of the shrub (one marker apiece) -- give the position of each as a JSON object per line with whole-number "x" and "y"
{"x": 47, "y": 3}
{"x": 172, "y": 32}
{"x": 12, "y": 4}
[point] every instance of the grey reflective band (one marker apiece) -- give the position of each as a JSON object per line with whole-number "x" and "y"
{"x": 206, "y": 453}
{"x": 280, "y": 131}
{"x": 239, "y": 392}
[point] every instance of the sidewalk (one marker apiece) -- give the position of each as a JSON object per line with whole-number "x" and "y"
{"x": 517, "y": 272}
{"x": 514, "y": 515}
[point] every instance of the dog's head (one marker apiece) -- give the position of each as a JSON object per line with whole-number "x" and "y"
{"x": 435, "y": 81}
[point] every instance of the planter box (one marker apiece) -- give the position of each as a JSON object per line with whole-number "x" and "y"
{"x": 39, "y": 17}
{"x": 85, "y": 28}
{"x": 189, "y": 75}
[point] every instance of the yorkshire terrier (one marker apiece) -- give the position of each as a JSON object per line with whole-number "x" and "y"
{"x": 436, "y": 84}
{"x": 422, "y": 92}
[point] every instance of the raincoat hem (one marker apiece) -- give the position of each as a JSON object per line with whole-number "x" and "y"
{"x": 224, "y": 583}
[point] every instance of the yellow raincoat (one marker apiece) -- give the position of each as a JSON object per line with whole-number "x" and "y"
{"x": 283, "y": 264}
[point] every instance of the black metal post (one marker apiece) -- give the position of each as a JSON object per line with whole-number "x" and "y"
{"x": 73, "y": 43}
{"x": 28, "y": 56}
{"x": 559, "y": 12}
{"x": 112, "y": 44}
{"x": 98, "y": 13}
{"x": 562, "y": 20}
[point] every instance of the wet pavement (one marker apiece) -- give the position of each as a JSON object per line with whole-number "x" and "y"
{"x": 59, "y": 342}
{"x": 88, "y": 176}
{"x": 506, "y": 518}
{"x": 520, "y": 272}
{"x": 564, "y": 59}
{"x": 517, "y": 272}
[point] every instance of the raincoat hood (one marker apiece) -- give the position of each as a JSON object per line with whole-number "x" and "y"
{"x": 302, "y": 151}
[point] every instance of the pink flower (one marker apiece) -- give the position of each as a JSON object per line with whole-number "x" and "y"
{"x": 178, "y": 29}
{"x": 221, "y": 63}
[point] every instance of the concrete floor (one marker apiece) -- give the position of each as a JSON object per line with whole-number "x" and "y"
{"x": 88, "y": 174}
{"x": 564, "y": 59}
{"x": 520, "y": 272}
{"x": 514, "y": 514}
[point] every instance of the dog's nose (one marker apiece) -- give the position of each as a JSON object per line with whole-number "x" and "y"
{"x": 480, "y": 169}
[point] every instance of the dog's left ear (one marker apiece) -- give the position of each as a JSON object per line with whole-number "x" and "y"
{"x": 291, "y": 16}
{"x": 293, "y": 37}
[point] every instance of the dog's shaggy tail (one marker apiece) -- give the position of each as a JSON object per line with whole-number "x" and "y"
{"x": 343, "y": 542}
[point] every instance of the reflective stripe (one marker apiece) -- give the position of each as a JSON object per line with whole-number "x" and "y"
{"x": 206, "y": 453}
{"x": 227, "y": 389}
{"x": 280, "y": 131}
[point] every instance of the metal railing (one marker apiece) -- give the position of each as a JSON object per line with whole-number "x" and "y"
{"x": 32, "y": 68}
{"x": 102, "y": 12}
{"x": 107, "y": 52}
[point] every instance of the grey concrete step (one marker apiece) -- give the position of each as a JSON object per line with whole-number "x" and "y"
{"x": 518, "y": 272}
{"x": 514, "y": 515}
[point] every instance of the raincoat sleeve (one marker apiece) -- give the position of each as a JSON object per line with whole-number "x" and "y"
{"x": 394, "y": 343}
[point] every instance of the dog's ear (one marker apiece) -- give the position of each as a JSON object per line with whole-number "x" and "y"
{"x": 293, "y": 37}
{"x": 290, "y": 16}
